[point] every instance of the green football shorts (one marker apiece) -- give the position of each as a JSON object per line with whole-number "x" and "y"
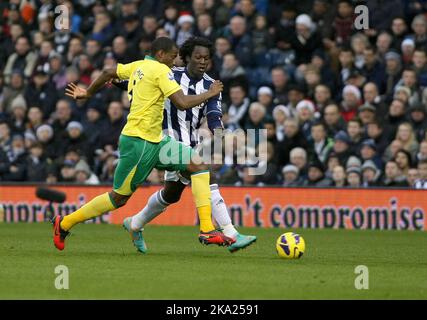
{"x": 138, "y": 157}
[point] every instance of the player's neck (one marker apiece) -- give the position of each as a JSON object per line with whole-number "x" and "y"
{"x": 192, "y": 75}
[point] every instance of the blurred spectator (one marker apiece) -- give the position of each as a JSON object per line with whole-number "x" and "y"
{"x": 261, "y": 38}
{"x": 285, "y": 27}
{"x": 321, "y": 144}
{"x": 305, "y": 115}
{"x": 392, "y": 149}
{"x": 255, "y": 118}
{"x": 404, "y": 161}
{"x": 205, "y": 26}
{"x": 412, "y": 177}
{"x": 342, "y": 26}
{"x": 342, "y": 147}
{"x": 279, "y": 80}
{"x": 421, "y": 183}
{"x": 354, "y": 179}
{"x": 316, "y": 176}
{"x": 291, "y": 176}
{"x": 102, "y": 30}
{"x": 36, "y": 164}
{"x": 61, "y": 118}
{"x": 375, "y": 131}
{"x": 169, "y": 21}
{"x": 368, "y": 151}
{"x": 393, "y": 176}
{"x": 222, "y": 47}
{"x": 265, "y": 97}
{"x": 406, "y": 135}
{"x": 306, "y": 39}
{"x": 93, "y": 49}
{"x": 322, "y": 97}
{"x": 35, "y": 120}
{"x": 333, "y": 119}
{"x": 239, "y": 105}
{"x": 231, "y": 70}
{"x": 396, "y": 116}
{"x": 370, "y": 174}
{"x": 339, "y": 178}
{"x": 41, "y": 91}
{"x": 351, "y": 102}
{"x": 422, "y": 155}
{"x": 18, "y": 114}
{"x": 23, "y": 59}
{"x": 241, "y": 43}
{"x": 45, "y": 136}
{"x": 185, "y": 28}
{"x": 367, "y": 113}
{"x": 299, "y": 158}
{"x": 17, "y": 160}
{"x": 419, "y": 25}
{"x": 293, "y": 138}
{"x": 418, "y": 121}
{"x": 114, "y": 125}
{"x": 15, "y": 88}
{"x": 355, "y": 133}
{"x": 84, "y": 175}
{"x": 280, "y": 114}
{"x": 270, "y": 177}
{"x": 5, "y": 136}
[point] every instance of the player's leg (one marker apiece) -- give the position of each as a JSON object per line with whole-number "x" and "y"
{"x": 176, "y": 156}
{"x": 158, "y": 202}
{"x": 126, "y": 177}
{"x": 222, "y": 217}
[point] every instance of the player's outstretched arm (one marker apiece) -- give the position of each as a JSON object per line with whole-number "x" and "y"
{"x": 183, "y": 102}
{"x": 77, "y": 92}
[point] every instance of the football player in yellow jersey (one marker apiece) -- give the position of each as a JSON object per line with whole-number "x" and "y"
{"x": 142, "y": 146}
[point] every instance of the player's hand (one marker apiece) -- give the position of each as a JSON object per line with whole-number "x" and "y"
{"x": 76, "y": 92}
{"x": 216, "y": 88}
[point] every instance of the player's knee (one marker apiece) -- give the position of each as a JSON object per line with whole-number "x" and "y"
{"x": 171, "y": 197}
{"x": 119, "y": 200}
{"x": 193, "y": 167}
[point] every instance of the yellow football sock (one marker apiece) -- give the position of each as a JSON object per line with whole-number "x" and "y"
{"x": 202, "y": 197}
{"x": 96, "y": 207}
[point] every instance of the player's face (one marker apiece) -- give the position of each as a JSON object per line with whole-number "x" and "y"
{"x": 199, "y": 61}
{"x": 168, "y": 57}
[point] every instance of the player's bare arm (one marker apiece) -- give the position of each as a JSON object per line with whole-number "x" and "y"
{"x": 183, "y": 102}
{"x": 76, "y": 92}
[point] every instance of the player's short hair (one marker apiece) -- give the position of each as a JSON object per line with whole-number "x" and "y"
{"x": 162, "y": 44}
{"x": 188, "y": 46}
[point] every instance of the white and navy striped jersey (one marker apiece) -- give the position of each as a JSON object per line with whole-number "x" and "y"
{"x": 184, "y": 124}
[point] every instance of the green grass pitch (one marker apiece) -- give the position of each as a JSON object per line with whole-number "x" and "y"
{"x": 103, "y": 264}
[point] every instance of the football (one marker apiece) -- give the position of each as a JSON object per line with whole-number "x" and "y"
{"x": 290, "y": 246}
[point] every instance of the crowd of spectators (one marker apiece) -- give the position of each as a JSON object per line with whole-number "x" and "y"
{"x": 342, "y": 106}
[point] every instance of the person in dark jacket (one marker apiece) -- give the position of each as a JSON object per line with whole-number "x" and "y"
{"x": 17, "y": 156}
{"x": 293, "y": 138}
{"x": 305, "y": 40}
{"x": 36, "y": 164}
{"x": 41, "y": 92}
{"x": 316, "y": 175}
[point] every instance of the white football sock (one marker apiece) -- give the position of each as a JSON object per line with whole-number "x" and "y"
{"x": 220, "y": 213}
{"x": 155, "y": 206}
